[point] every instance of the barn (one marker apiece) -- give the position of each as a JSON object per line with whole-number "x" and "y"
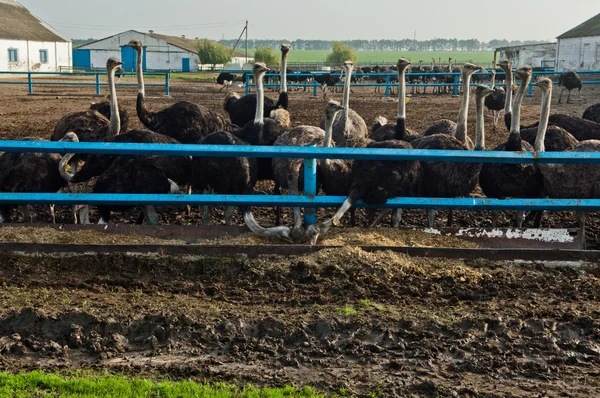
{"x": 542, "y": 55}
{"x": 161, "y": 52}
{"x": 29, "y": 44}
{"x": 579, "y": 48}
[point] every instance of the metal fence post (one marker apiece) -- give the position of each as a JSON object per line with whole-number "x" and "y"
{"x": 310, "y": 189}
{"x": 314, "y": 86}
{"x": 97, "y": 83}
{"x": 29, "y": 83}
{"x": 456, "y": 82}
{"x": 530, "y": 91}
{"x": 247, "y": 84}
{"x": 167, "y": 84}
{"x": 387, "y": 86}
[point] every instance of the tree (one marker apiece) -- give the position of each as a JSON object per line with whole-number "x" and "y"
{"x": 212, "y": 54}
{"x": 266, "y": 55}
{"x": 340, "y": 53}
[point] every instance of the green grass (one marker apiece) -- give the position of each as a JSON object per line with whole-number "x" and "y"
{"x": 41, "y": 384}
{"x": 391, "y": 57}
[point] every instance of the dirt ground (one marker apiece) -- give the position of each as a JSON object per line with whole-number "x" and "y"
{"x": 342, "y": 320}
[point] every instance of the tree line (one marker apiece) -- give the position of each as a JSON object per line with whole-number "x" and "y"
{"x": 388, "y": 45}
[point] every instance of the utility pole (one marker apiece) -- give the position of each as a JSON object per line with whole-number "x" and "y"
{"x": 246, "y": 41}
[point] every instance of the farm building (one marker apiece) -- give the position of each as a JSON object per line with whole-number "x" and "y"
{"x": 161, "y": 52}
{"x": 579, "y": 48}
{"x": 29, "y": 44}
{"x": 537, "y": 55}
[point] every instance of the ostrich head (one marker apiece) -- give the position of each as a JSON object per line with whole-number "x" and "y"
{"x": 332, "y": 108}
{"x": 114, "y": 64}
{"x": 348, "y": 66}
{"x": 285, "y": 48}
{"x": 524, "y": 72}
{"x": 544, "y": 84}
{"x": 281, "y": 232}
{"x": 505, "y": 65}
{"x": 314, "y": 231}
{"x": 482, "y": 91}
{"x": 402, "y": 64}
{"x": 135, "y": 44}
{"x": 468, "y": 69}
{"x": 69, "y": 137}
{"x": 493, "y": 72}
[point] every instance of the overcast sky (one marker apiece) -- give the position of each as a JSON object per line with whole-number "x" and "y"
{"x": 318, "y": 19}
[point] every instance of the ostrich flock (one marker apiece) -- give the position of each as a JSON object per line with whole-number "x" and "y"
{"x": 258, "y": 120}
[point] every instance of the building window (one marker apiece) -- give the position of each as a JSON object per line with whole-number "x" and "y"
{"x": 43, "y": 56}
{"x": 13, "y": 55}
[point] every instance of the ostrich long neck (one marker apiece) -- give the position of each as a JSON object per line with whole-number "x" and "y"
{"x": 480, "y": 125}
{"x": 147, "y": 118}
{"x": 346, "y": 99}
{"x": 283, "y": 72}
{"x": 115, "y": 120}
{"x": 328, "y": 131}
{"x": 140, "y": 73}
{"x": 515, "y": 125}
{"x": 493, "y": 80}
{"x": 544, "y": 117}
{"x": 401, "y": 122}
{"x": 260, "y": 98}
{"x": 461, "y": 124}
{"x": 509, "y": 92}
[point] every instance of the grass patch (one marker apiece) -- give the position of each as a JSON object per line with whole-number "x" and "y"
{"x": 348, "y": 311}
{"x": 41, "y": 384}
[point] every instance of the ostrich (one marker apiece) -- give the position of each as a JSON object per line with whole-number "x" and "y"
{"x": 34, "y": 172}
{"x": 496, "y": 101}
{"x": 348, "y": 125}
{"x": 185, "y": 121}
{"x": 242, "y": 110}
{"x": 581, "y": 129}
{"x": 104, "y": 108}
{"x": 451, "y": 179}
{"x": 261, "y": 131}
{"x": 513, "y": 180}
{"x": 569, "y": 80}
{"x": 573, "y": 181}
{"x": 90, "y": 124}
{"x": 592, "y": 113}
{"x": 224, "y": 175}
{"x": 506, "y": 66}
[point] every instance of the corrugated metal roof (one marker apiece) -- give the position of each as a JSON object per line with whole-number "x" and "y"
{"x": 591, "y": 27}
{"x": 17, "y": 23}
{"x": 189, "y": 44}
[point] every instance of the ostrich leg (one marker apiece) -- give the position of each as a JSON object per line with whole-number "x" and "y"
{"x": 150, "y": 215}
{"x": 569, "y": 97}
{"x": 277, "y": 191}
{"x": 396, "y": 218}
{"x": 229, "y": 210}
{"x": 560, "y": 96}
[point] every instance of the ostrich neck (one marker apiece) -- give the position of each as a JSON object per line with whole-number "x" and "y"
{"x": 328, "y": 131}
{"x": 115, "y": 120}
{"x": 544, "y": 117}
{"x": 346, "y": 99}
{"x": 515, "y": 125}
{"x": 260, "y": 98}
{"x": 509, "y": 92}
{"x": 61, "y": 167}
{"x": 493, "y": 80}
{"x": 284, "y": 55}
{"x": 401, "y": 94}
{"x": 480, "y": 126}
{"x": 461, "y": 124}
{"x": 140, "y": 73}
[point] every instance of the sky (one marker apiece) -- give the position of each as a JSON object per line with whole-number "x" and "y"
{"x": 318, "y": 19}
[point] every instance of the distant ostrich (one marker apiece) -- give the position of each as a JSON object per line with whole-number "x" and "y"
{"x": 224, "y": 175}
{"x": 496, "y": 101}
{"x": 261, "y": 130}
{"x": 185, "y": 121}
{"x": 592, "y": 113}
{"x": 34, "y": 172}
{"x": 572, "y": 181}
{"x": 226, "y": 79}
{"x": 569, "y": 80}
{"x": 241, "y": 110}
{"x": 348, "y": 126}
{"x": 513, "y": 180}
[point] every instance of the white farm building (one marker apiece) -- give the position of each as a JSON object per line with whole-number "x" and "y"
{"x": 579, "y": 48}
{"x": 29, "y": 44}
{"x": 161, "y": 52}
{"x": 542, "y": 55}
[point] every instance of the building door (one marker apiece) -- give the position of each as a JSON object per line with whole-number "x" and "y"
{"x": 129, "y": 59}
{"x": 82, "y": 59}
{"x": 185, "y": 64}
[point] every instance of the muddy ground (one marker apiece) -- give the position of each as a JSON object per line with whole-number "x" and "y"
{"x": 341, "y": 320}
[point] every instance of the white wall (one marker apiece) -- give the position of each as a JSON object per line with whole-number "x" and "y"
{"x": 578, "y": 53}
{"x": 59, "y": 54}
{"x": 529, "y": 55}
{"x": 159, "y": 54}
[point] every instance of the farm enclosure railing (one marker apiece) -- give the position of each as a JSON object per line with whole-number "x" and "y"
{"x": 310, "y": 200}
{"x": 97, "y": 83}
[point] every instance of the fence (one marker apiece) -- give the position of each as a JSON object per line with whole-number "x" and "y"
{"x": 31, "y": 82}
{"x": 388, "y": 80}
{"x": 310, "y": 199}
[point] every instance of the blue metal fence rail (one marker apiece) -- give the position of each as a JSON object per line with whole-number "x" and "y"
{"x": 309, "y": 200}
{"x": 97, "y": 83}
{"x": 388, "y": 80}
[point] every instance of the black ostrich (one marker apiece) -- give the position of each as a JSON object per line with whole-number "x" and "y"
{"x": 225, "y": 79}
{"x": 104, "y": 108}
{"x": 496, "y": 101}
{"x": 569, "y": 80}
{"x": 513, "y": 180}
{"x": 581, "y": 129}
{"x": 242, "y": 110}
{"x": 185, "y": 121}
{"x": 592, "y": 113}
{"x": 224, "y": 175}
{"x": 261, "y": 130}
{"x": 33, "y": 172}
